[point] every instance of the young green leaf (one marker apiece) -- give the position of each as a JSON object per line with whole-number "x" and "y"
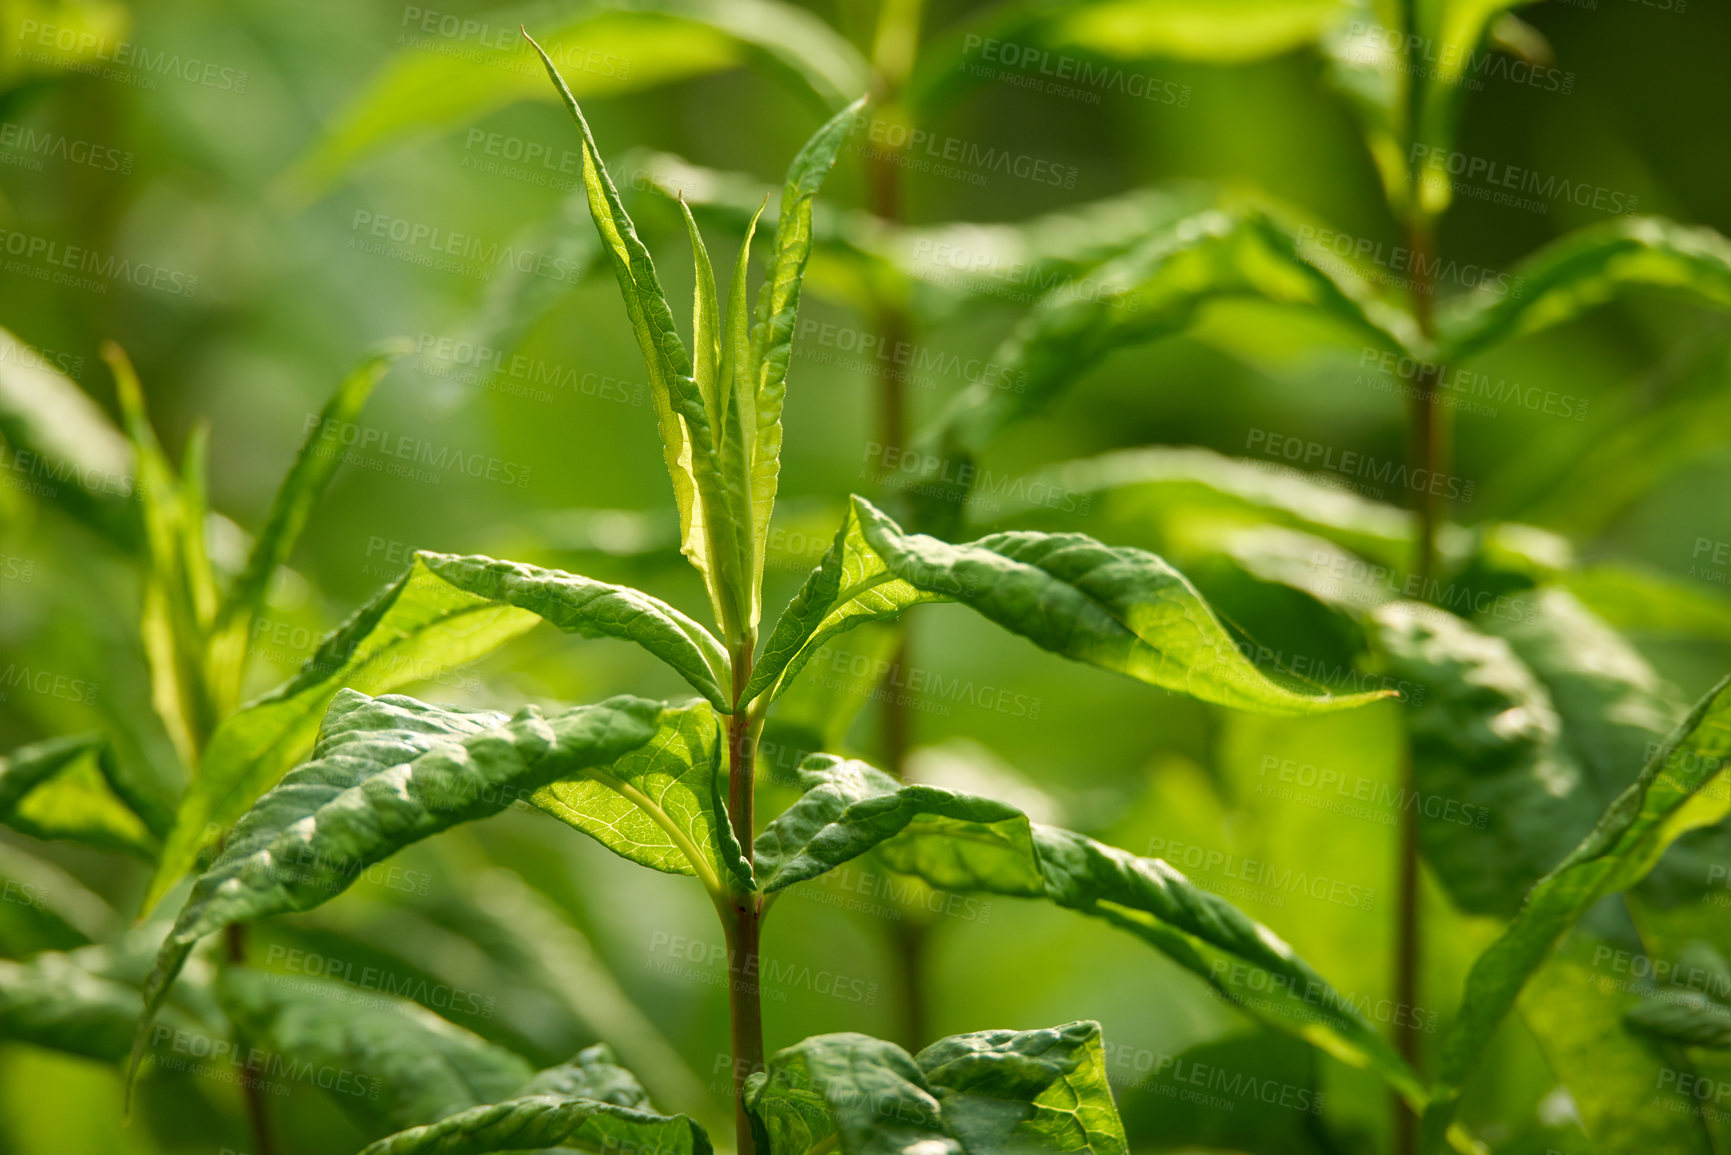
{"x": 314, "y": 466}
{"x": 1034, "y": 1092}
{"x": 1635, "y": 830}
{"x": 688, "y": 439}
{"x": 960, "y": 842}
{"x": 1688, "y": 1018}
{"x": 764, "y": 374}
{"x": 387, "y": 772}
{"x": 1121, "y": 609}
{"x": 1585, "y": 269}
{"x": 663, "y": 805}
{"x": 412, "y": 1066}
{"x": 592, "y": 1073}
{"x": 447, "y": 610}
{"x": 55, "y": 433}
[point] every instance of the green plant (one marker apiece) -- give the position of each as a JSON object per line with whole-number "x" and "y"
{"x": 671, "y": 785}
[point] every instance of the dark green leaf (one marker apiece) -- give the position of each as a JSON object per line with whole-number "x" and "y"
{"x": 957, "y": 841}
{"x": 387, "y": 772}
{"x": 1661, "y": 804}
{"x": 53, "y": 1002}
{"x": 57, "y": 789}
{"x": 417, "y": 1066}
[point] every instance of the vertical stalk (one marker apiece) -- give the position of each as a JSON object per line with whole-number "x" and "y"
{"x": 893, "y": 52}
{"x": 1427, "y": 449}
{"x": 234, "y": 937}
{"x": 743, "y": 916}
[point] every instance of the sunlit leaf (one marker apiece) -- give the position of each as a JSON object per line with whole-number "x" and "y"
{"x": 1121, "y": 609}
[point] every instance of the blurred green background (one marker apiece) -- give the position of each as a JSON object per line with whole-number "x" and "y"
{"x": 189, "y": 172}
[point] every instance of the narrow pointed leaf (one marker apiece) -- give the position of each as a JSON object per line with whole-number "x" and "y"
{"x": 1587, "y": 268}
{"x": 52, "y": 1002}
{"x": 446, "y": 611}
{"x": 63, "y": 441}
{"x": 663, "y": 805}
{"x": 1122, "y": 609}
{"x": 387, "y": 772}
{"x": 688, "y": 440}
{"x": 961, "y": 842}
{"x": 305, "y": 483}
{"x": 412, "y": 1065}
{"x": 777, "y": 309}
{"x": 1634, "y": 831}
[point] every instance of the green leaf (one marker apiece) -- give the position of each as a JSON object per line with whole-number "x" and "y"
{"x": 1501, "y": 799}
{"x": 301, "y": 488}
{"x": 663, "y": 805}
{"x": 63, "y": 442}
{"x": 1641, "y": 601}
{"x": 1661, "y": 804}
{"x": 434, "y": 84}
{"x": 1033, "y": 1091}
{"x": 593, "y": 1073}
{"x": 533, "y": 1122}
{"x": 447, "y": 610}
{"x": 991, "y": 1091}
{"x": 688, "y": 439}
{"x": 1366, "y": 63}
{"x": 1155, "y": 291}
{"x": 956, "y": 841}
{"x": 1688, "y": 1018}
{"x": 58, "y": 789}
{"x": 416, "y": 1066}
{"x": 53, "y": 1002}
{"x": 1121, "y": 609}
{"x": 387, "y": 772}
{"x": 772, "y": 333}
{"x": 1587, "y": 268}
{"x": 1124, "y": 31}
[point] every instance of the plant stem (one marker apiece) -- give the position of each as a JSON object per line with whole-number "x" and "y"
{"x": 234, "y": 936}
{"x": 1427, "y": 450}
{"x": 743, "y": 916}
